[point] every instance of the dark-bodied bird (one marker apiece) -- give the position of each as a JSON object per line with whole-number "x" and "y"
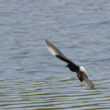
{"x": 80, "y": 70}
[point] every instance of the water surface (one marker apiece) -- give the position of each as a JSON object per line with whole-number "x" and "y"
{"x": 30, "y": 77}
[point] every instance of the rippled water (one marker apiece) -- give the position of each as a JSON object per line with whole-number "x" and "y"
{"x": 30, "y": 77}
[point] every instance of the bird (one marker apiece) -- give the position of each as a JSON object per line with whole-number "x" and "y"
{"x": 79, "y": 70}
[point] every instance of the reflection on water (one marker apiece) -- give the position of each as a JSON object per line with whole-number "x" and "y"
{"x": 30, "y": 77}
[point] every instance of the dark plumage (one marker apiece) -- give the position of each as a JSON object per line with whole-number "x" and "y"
{"x": 73, "y": 67}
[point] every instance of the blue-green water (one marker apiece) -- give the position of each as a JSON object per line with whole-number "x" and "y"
{"x": 30, "y": 77}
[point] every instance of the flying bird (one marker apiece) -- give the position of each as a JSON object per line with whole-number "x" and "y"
{"x": 80, "y": 70}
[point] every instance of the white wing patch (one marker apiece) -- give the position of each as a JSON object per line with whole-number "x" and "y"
{"x": 52, "y": 51}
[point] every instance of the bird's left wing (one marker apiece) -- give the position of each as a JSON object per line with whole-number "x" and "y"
{"x": 56, "y": 52}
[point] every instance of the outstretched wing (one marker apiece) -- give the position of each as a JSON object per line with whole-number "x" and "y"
{"x": 56, "y": 52}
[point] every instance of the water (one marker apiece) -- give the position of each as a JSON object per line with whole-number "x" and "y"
{"x": 30, "y": 77}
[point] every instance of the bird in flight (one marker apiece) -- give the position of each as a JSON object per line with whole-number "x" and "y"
{"x": 80, "y": 70}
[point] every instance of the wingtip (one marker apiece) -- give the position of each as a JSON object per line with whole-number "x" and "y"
{"x": 47, "y": 42}
{"x": 52, "y": 49}
{"x": 88, "y": 83}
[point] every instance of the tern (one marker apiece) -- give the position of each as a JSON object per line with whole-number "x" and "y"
{"x": 80, "y": 70}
